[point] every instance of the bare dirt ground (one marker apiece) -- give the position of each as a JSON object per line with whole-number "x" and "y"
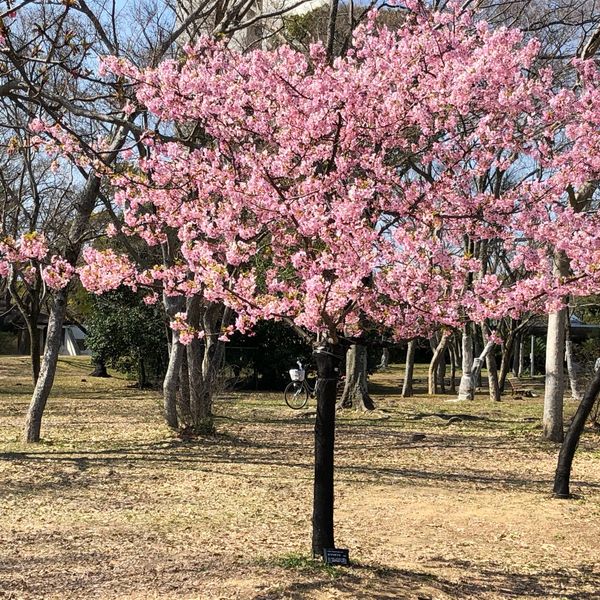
{"x": 111, "y": 505}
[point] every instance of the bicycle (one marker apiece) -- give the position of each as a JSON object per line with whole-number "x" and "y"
{"x": 298, "y": 391}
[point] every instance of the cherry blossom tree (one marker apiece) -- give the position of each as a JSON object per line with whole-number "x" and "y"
{"x": 368, "y": 188}
{"x": 359, "y": 191}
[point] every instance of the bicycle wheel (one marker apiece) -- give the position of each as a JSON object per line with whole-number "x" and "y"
{"x": 296, "y": 395}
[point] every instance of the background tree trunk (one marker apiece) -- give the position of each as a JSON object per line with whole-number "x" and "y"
{"x": 567, "y": 450}
{"x": 453, "y": 361}
{"x": 407, "y": 386}
{"x": 516, "y": 359}
{"x": 99, "y": 368}
{"x": 466, "y": 389}
{"x": 85, "y": 205}
{"x": 171, "y": 381}
{"x": 41, "y": 392}
{"x": 438, "y": 353}
{"x": 356, "y": 391}
{"x": 573, "y": 369}
{"x": 521, "y": 356}
{"x": 385, "y": 359}
{"x": 490, "y": 361}
{"x": 555, "y": 378}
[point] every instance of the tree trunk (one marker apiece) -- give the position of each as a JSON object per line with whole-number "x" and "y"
{"x": 99, "y": 368}
{"x": 573, "y": 370}
{"x": 41, "y": 392}
{"x": 555, "y": 378}
{"x": 466, "y": 389}
{"x": 327, "y": 359}
{"x": 407, "y": 387}
{"x": 84, "y": 206}
{"x": 452, "y": 353}
{"x": 385, "y": 359}
{"x": 171, "y": 381}
{"x": 200, "y": 405}
{"x": 492, "y": 367}
{"x": 567, "y": 450}
{"x": 356, "y": 391}
{"x": 516, "y": 356}
{"x": 521, "y": 356}
{"x": 434, "y": 364}
{"x": 205, "y": 361}
{"x": 505, "y": 362}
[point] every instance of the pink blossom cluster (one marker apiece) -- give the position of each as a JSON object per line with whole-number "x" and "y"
{"x": 58, "y": 273}
{"x": 424, "y": 179}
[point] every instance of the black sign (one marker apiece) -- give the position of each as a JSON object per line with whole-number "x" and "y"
{"x": 336, "y": 556}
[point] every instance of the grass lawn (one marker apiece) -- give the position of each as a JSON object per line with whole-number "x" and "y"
{"x": 112, "y": 506}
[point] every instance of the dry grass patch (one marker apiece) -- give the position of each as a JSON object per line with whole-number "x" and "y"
{"x": 111, "y": 505}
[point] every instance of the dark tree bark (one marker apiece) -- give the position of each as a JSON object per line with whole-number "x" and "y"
{"x": 99, "y": 368}
{"x": 205, "y": 360}
{"x": 407, "y": 387}
{"x": 567, "y": 450}
{"x": 453, "y": 361}
{"x": 516, "y": 356}
{"x": 356, "y": 391}
{"x": 327, "y": 358}
{"x": 508, "y": 352}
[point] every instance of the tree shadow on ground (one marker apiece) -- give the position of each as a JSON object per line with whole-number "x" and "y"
{"x": 466, "y": 580}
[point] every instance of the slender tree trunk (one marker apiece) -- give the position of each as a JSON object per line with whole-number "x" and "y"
{"x": 434, "y": 364}
{"x": 171, "y": 381}
{"x": 521, "y": 356}
{"x": 490, "y": 361}
{"x": 84, "y": 206}
{"x": 407, "y": 387}
{"x": 567, "y": 450}
{"x": 516, "y": 356}
{"x": 573, "y": 369}
{"x": 172, "y": 378}
{"x": 356, "y": 391}
{"x": 555, "y": 378}
{"x": 385, "y": 359}
{"x": 441, "y": 372}
{"x": 466, "y": 389}
{"x": 452, "y": 353}
{"x": 327, "y": 361}
{"x": 507, "y": 351}
{"x": 41, "y": 392}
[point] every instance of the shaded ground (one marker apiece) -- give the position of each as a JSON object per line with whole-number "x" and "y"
{"x": 111, "y": 506}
